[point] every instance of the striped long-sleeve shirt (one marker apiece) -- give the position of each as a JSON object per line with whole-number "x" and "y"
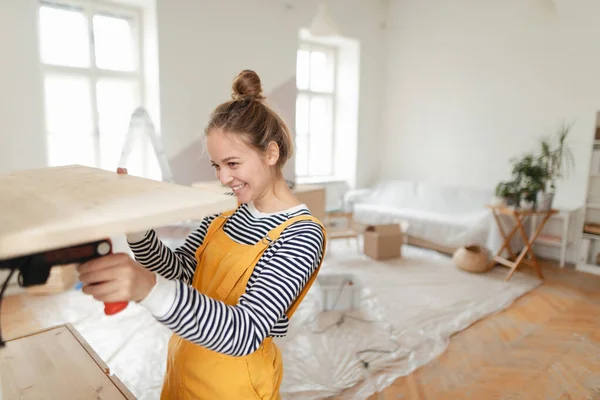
{"x": 279, "y": 276}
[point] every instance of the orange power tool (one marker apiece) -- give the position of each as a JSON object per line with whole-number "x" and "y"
{"x": 35, "y": 269}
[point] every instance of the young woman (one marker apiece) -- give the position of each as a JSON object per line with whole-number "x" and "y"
{"x": 236, "y": 281}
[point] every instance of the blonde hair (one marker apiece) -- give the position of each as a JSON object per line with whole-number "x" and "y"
{"x": 247, "y": 115}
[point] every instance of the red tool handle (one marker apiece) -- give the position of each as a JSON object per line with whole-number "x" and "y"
{"x": 111, "y": 308}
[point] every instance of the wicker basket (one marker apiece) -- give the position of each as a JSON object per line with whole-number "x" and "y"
{"x": 473, "y": 258}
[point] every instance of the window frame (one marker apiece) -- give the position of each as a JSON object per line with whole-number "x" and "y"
{"x": 306, "y": 44}
{"x": 93, "y": 73}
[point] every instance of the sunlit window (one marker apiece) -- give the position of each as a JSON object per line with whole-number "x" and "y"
{"x": 113, "y": 43}
{"x": 92, "y": 81}
{"x": 315, "y": 81}
{"x": 64, "y": 38}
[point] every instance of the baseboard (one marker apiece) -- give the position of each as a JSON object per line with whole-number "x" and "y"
{"x": 418, "y": 242}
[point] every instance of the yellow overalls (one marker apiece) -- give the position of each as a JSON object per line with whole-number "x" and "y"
{"x": 222, "y": 272}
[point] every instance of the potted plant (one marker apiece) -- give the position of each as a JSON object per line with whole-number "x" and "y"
{"x": 531, "y": 176}
{"x": 530, "y": 187}
{"x": 508, "y": 191}
{"x": 557, "y": 159}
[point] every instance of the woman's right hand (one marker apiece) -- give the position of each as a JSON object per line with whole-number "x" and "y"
{"x": 132, "y": 237}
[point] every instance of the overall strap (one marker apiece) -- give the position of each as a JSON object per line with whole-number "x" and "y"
{"x": 245, "y": 265}
{"x": 214, "y": 227}
{"x": 274, "y": 235}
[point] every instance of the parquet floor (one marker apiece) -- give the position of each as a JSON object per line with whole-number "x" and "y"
{"x": 545, "y": 346}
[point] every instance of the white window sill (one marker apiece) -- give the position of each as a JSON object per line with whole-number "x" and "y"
{"x": 319, "y": 179}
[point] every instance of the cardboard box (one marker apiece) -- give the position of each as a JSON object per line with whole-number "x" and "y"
{"x": 314, "y": 198}
{"x": 382, "y": 242}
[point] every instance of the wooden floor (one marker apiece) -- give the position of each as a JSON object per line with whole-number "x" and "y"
{"x": 545, "y": 346}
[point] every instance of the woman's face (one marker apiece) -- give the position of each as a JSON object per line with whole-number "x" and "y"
{"x": 238, "y": 165}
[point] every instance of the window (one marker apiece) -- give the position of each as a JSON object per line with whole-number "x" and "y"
{"x": 92, "y": 78}
{"x": 315, "y": 110}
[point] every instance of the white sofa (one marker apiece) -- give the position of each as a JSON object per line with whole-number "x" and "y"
{"x": 447, "y": 216}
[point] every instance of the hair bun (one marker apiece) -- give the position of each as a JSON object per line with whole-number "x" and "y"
{"x": 247, "y": 86}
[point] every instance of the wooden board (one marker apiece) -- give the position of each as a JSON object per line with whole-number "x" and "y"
{"x": 55, "y": 207}
{"x": 56, "y": 364}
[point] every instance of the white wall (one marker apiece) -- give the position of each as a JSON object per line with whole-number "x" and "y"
{"x": 471, "y": 83}
{"x": 203, "y": 45}
{"x": 22, "y": 142}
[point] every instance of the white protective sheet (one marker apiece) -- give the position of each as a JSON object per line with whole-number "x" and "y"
{"x": 451, "y": 230}
{"x": 415, "y": 304}
{"x": 447, "y": 215}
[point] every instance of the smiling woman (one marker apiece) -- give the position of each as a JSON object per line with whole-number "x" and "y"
{"x": 250, "y": 144}
{"x": 237, "y": 280}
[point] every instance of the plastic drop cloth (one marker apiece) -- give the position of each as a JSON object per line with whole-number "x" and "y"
{"x": 409, "y": 309}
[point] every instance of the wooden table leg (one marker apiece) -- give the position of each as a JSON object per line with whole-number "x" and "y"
{"x": 528, "y": 248}
{"x": 531, "y": 259}
{"x": 506, "y": 244}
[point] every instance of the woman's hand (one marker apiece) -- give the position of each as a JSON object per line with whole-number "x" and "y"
{"x": 132, "y": 237}
{"x": 116, "y": 277}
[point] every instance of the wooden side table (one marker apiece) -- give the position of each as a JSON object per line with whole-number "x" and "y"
{"x": 348, "y": 232}
{"x": 519, "y": 216}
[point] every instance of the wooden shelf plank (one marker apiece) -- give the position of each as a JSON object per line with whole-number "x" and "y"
{"x": 591, "y": 236}
{"x": 57, "y": 207}
{"x": 56, "y": 363}
{"x": 549, "y": 238}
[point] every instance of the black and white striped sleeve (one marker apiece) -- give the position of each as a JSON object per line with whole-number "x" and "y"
{"x": 180, "y": 263}
{"x": 239, "y": 330}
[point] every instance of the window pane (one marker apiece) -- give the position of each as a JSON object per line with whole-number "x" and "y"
{"x": 65, "y": 149}
{"x": 321, "y": 115}
{"x": 113, "y": 43}
{"x": 321, "y": 71}
{"x": 301, "y": 155}
{"x": 302, "y": 69}
{"x": 117, "y": 99}
{"x": 68, "y": 105}
{"x": 320, "y": 159}
{"x": 64, "y": 37}
{"x": 302, "y": 114}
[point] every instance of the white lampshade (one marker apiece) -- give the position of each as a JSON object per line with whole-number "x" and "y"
{"x": 322, "y": 25}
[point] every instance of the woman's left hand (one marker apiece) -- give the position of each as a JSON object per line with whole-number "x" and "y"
{"x": 116, "y": 277}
